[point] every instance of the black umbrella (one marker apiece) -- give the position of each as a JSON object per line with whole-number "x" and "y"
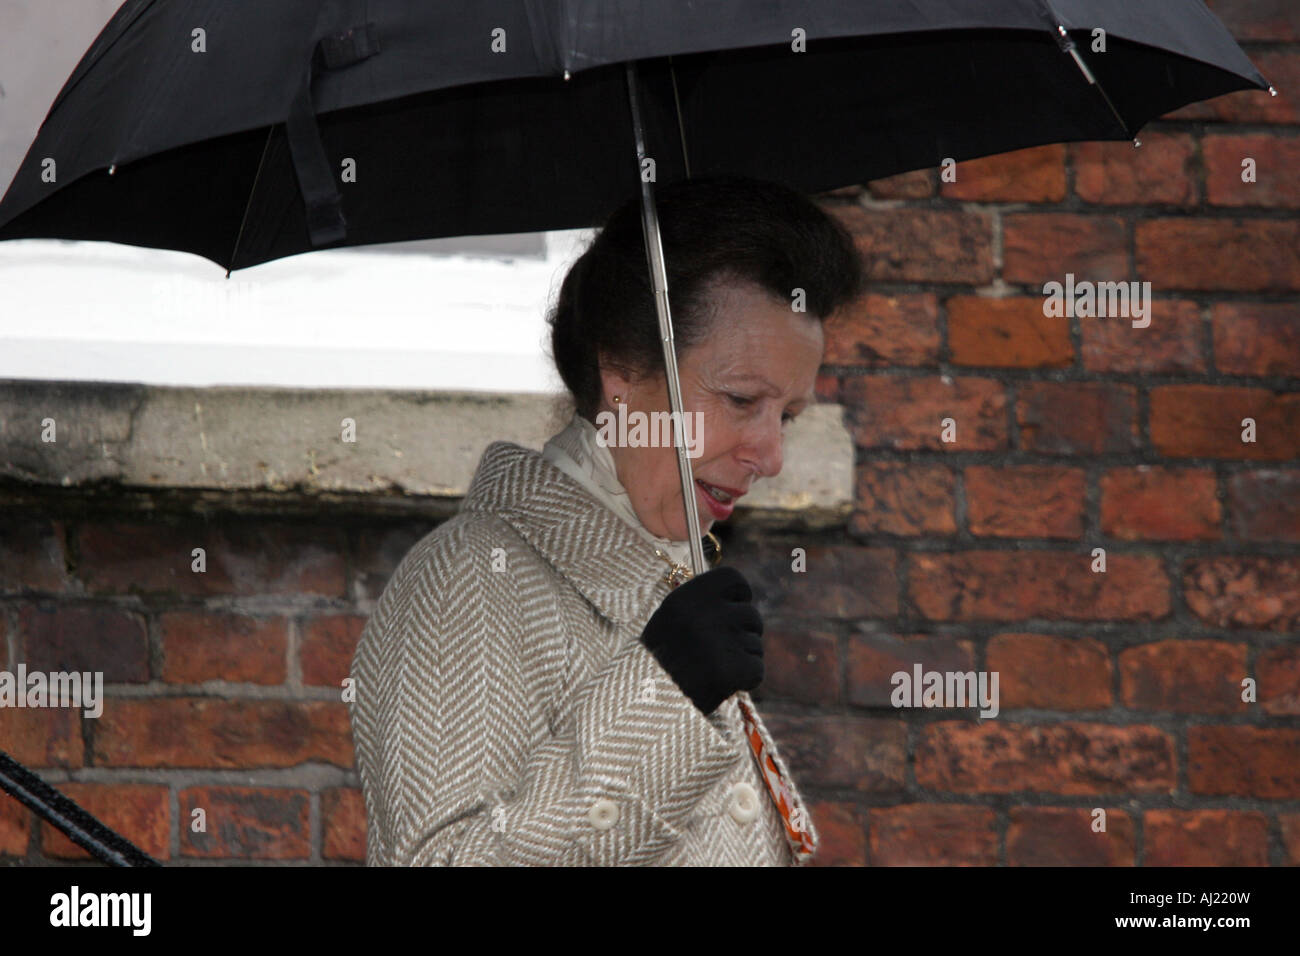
{"x": 201, "y": 127}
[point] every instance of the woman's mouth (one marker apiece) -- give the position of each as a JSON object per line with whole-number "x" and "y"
{"x": 719, "y": 501}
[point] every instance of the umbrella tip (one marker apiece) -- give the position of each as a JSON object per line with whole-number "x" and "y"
{"x": 1137, "y": 143}
{"x": 112, "y": 169}
{"x": 566, "y": 76}
{"x": 1272, "y": 90}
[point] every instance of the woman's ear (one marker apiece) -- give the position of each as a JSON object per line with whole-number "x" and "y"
{"x": 613, "y": 381}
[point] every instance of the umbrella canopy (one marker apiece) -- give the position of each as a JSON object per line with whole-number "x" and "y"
{"x": 250, "y": 132}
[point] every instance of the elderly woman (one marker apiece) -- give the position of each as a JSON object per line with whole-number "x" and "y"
{"x": 537, "y": 685}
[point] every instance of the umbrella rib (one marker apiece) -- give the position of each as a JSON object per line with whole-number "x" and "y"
{"x": 1067, "y": 45}
{"x": 249, "y": 204}
{"x": 681, "y": 129}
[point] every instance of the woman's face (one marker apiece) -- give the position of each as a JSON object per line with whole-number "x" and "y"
{"x": 754, "y": 372}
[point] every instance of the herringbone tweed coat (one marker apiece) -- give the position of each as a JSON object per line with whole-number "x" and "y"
{"x": 506, "y": 712}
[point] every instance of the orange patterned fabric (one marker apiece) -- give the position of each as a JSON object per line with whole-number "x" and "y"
{"x": 799, "y": 837}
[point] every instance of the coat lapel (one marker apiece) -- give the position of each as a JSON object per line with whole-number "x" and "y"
{"x": 611, "y": 565}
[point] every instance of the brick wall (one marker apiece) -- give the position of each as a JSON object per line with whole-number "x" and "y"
{"x": 223, "y": 686}
{"x": 1119, "y": 690}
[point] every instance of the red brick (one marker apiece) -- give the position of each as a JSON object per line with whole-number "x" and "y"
{"x": 200, "y": 646}
{"x": 1290, "y": 824}
{"x": 799, "y": 664}
{"x": 1170, "y": 344}
{"x": 133, "y": 558}
{"x": 843, "y": 752}
{"x": 903, "y": 498}
{"x": 178, "y": 732}
{"x": 1264, "y": 505}
{"x": 838, "y": 582}
{"x": 1204, "y": 421}
{"x": 1278, "y": 669}
{"x": 1257, "y": 338}
{"x": 917, "y": 184}
{"x": 874, "y": 658}
{"x": 1259, "y": 19}
{"x": 1047, "y": 672}
{"x": 1013, "y": 585}
{"x": 922, "y": 245}
{"x": 139, "y": 812}
{"x": 842, "y": 833}
{"x": 31, "y": 556}
{"x": 1043, "y": 247}
{"x": 1153, "y": 503}
{"x": 907, "y": 413}
{"x": 885, "y": 331}
{"x": 1011, "y": 332}
{"x": 1025, "y": 175}
{"x": 934, "y": 835}
{"x": 1246, "y": 255}
{"x": 1205, "y": 838}
{"x": 1276, "y": 158}
{"x": 328, "y": 643}
{"x": 43, "y": 737}
{"x": 997, "y": 757}
{"x": 1279, "y": 67}
{"x": 91, "y": 638}
{"x": 1025, "y": 501}
{"x": 1184, "y": 676}
{"x": 1160, "y": 171}
{"x": 15, "y": 827}
{"x": 343, "y": 824}
{"x": 1064, "y": 836}
{"x": 244, "y": 558}
{"x": 247, "y": 823}
{"x": 1077, "y": 418}
{"x": 1251, "y": 591}
{"x": 1244, "y": 762}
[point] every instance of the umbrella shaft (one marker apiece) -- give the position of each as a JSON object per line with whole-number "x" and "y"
{"x": 659, "y": 281}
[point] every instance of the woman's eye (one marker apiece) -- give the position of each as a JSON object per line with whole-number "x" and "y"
{"x": 740, "y": 400}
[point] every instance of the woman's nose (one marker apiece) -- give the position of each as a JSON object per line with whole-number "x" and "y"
{"x": 765, "y": 449}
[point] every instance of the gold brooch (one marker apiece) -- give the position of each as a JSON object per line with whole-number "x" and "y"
{"x": 678, "y": 573}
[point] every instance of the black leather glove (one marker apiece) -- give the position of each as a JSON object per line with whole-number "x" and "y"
{"x": 707, "y": 634}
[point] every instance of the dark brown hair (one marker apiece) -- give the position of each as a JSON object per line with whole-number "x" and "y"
{"x": 713, "y": 229}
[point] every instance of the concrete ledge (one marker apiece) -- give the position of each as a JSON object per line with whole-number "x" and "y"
{"x": 264, "y": 448}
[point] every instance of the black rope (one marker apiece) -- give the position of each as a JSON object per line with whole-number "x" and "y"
{"x": 78, "y": 825}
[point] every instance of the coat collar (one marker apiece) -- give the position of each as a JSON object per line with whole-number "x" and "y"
{"x": 611, "y": 565}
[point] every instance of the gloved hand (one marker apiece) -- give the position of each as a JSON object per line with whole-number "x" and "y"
{"x": 707, "y": 635}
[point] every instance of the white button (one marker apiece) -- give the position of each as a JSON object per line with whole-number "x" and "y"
{"x": 742, "y": 803}
{"x": 603, "y": 814}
